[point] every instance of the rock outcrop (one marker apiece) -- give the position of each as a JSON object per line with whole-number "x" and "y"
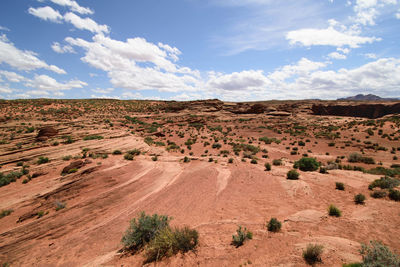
{"x": 371, "y": 111}
{"x": 46, "y": 132}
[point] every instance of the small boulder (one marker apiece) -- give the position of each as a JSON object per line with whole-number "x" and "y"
{"x": 73, "y": 165}
{"x": 46, "y": 132}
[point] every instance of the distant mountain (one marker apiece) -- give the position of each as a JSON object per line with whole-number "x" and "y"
{"x": 369, "y": 97}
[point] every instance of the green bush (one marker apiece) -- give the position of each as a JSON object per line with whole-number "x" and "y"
{"x": 292, "y": 175}
{"x": 353, "y": 265}
{"x": 379, "y": 194}
{"x": 9, "y": 178}
{"x": 323, "y": 170}
{"x": 359, "y": 199}
{"x": 5, "y": 213}
{"x": 394, "y": 194}
{"x": 313, "y": 253}
{"x": 357, "y": 157}
{"x": 60, "y": 205}
{"x": 142, "y": 230}
{"x": 128, "y": 156}
{"x": 168, "y": 242}
{"x": 378, "y": 255}
{"x": 93, "y": 137}
{"x": 334, "y": 211}
{"x": 253, "y": 161}
{"x": 384, "y": 183}
{"x": 267, "y": 166}
{"x": 339, "y": 186}
{"x": 274, "y": 225}
{"x": 42, "y": 160}
{"x": 186, "y": 159}
{"x": 117, "y": 152}
{"x": 307, "y": 164}
{"x": 242, "y": 235}
{"x": 277, "y": 162}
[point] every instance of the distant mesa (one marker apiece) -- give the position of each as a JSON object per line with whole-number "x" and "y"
{"x": 369, "y": 97}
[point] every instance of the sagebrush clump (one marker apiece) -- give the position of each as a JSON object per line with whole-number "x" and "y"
{"x": 312, "y": 254}
{"x": 307, "y": 164}
{"x": 242, "y": 234}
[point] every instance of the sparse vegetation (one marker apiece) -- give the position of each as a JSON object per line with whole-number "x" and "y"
{"x": 339, "y": 186}
{"x": 359, "y": 199}
{"x": 142, "y": 230}
{"x": 242, "y": 234}
{"x": 376, "y": 255}
{"x": 334, "y": 211}
{"x": 292, "y": 175}
{"x": 274, "y": 225}
{"x": 307, "y": 164}
{"x": 5, "y": 213}
{"x": 312, "y": 254}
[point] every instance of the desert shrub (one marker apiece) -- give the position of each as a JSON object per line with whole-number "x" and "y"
{"x": 357, "y": 157}
{"x": 5, "y": 213}
{"x": 92, "y": 137}
{"x": 117, "y": 152}
{"x": 384, "y": 171}
{"x": 267, "y": 166}
{"x": 242, "y": 235}
{"x": 379, "y": 194}
{"x": 154, "y": 158}
{"x": 274, "y": 225}
{"x": 253, "y": 161}
{"x": 148, "y": 140}
{"x": 168, "y": 242}
{"x": 216, "y": 145}
{"x": 384, "y": 183}
{"x": 268, "y": 141}
{"x": 313, "y": 253}
{"x": 42, "y": 160}
{"x": 334, "y": 211}
{"x": 359, "y": 199}
{"x": 394, "y": 194}
{"x": 353, "y": 265}
{"x": 128, "y": 156}
{"x": 378, "y": 255}
{"x": 339, "y": 186}
{"x": 5, "y": 179}
{"x": 277, "y": 162}
{"x": 135, "y": 152}
{"x": 60, "y": 205}
{"x": 230, "y": 160}
{"x": 186, "y": 159}
{"x": 307, "y": 164}
{"x": 292, "y": 175}
{"x": 323, "y": 170}
{"x": 142, "y": 230}
{"x": 67, "y": 157}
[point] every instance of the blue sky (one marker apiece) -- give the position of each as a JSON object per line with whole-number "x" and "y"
{"x": 234, "y": 50}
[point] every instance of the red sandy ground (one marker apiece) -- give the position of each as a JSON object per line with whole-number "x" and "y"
{"x": 213, "y": 198}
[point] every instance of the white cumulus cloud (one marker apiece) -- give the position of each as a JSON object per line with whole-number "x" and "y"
{"x": 74, "y": 6}
{"x": 137, "y": 64}
{"x": 22, "y": 59}
{"x": 85, "y": 23}
{"x": 62, "y": 49}
{"x": 47, "y": 83}
{"x": 327, "y": 37}
{"x": 46, "y": 13}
